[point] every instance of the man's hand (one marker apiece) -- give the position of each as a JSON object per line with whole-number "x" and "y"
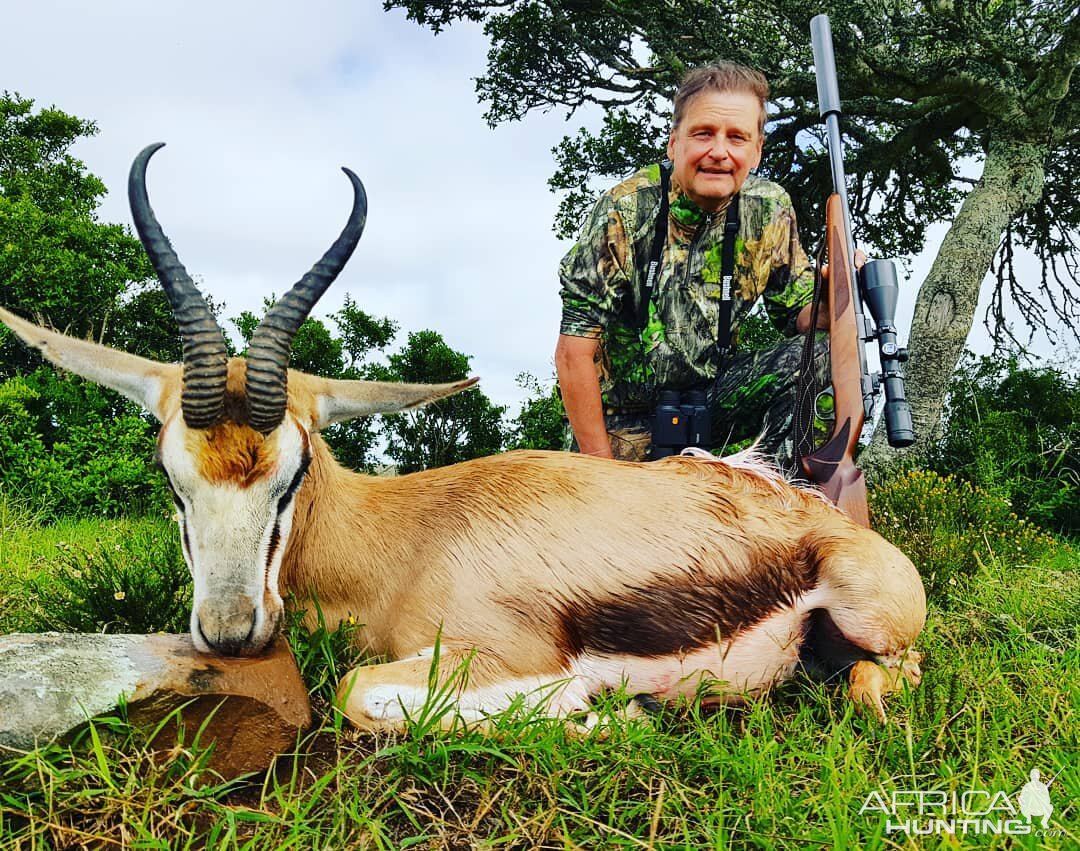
{"x": 802, "y": 321}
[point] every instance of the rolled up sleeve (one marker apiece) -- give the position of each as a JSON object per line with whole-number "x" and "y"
{"x": 791, "y": 279}
{"x": 593, "y": 275}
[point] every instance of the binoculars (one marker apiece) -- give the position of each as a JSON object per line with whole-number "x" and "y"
{"x": 680, "y": 420}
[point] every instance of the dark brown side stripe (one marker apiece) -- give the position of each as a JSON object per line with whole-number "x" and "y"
{"x": 679, "y": 614}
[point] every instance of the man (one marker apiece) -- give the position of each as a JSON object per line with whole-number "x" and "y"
{"x": 618, "y": 348}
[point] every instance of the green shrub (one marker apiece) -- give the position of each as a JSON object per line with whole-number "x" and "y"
{"x": 1014, "y": 431}
{"x": 948, "y": 527}
{"x": 138, "y": 585}
{"x": 323, "y": 656}
{"x": 541, "y": 423}
{"x": 70, "y": 448}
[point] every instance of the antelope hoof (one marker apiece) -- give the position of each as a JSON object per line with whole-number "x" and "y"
{"x": 870, "y": 682}
{"x": 350, "y": 702}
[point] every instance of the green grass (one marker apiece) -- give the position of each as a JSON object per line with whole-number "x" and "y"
{"x": 38, "y": 562}
{"x": 1000, "y": 696}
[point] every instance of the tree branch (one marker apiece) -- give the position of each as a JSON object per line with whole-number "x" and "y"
{"x": 1051, "y": 84}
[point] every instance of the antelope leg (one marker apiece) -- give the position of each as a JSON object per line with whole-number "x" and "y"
{"x": 465, "y": 689}
{"x": 870, "y": 682}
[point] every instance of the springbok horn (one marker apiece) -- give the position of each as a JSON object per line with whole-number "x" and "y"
{"x": 268, "y": 353}
{"x": 205, "y": 355}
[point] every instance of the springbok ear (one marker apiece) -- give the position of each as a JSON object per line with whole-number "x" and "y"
{"x": 141, "y": 380}
{"x": 339, "y": 400}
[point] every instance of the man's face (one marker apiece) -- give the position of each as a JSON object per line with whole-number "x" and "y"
{"x": 715, "y": 146}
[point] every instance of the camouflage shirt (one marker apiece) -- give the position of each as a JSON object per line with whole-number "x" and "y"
{"x": 602, "y": 280}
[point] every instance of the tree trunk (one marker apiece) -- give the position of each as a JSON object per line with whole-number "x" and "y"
{"x": 1012, "y": 180}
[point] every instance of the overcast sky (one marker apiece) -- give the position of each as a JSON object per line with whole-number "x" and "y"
{"x": 261, "y": 103}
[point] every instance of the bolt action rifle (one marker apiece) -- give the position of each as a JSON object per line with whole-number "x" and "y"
{"x": 832, "y": 465}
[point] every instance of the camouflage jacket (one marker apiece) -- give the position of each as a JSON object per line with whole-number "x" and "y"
{"x": 602, "y": 279}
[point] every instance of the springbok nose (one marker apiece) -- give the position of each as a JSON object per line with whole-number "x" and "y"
{"x": 228, "y": 625}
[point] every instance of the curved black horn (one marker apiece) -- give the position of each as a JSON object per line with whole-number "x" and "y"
{"x": 205, "y": 355}
{"x": 268, "y": 352}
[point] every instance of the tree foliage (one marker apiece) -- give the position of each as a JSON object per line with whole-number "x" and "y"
{"x": 1014, "y": 431}
{"x": 455, "y": 429}
{"x": 541, "y": 423}
{"x": 345, "y": 352}
{"x": 68, "y": 447}
{"x": 58, "y": 263}
{"x": 71, "y": 448}
{"x": 933, "y": 91}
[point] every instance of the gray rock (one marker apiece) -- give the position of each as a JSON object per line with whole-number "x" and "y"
{"x": 52, "y": 683}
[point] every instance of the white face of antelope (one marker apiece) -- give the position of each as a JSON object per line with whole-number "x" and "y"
{"x": 235, "y": 493}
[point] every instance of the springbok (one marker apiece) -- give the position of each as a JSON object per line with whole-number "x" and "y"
{"x": 550, "y": 575}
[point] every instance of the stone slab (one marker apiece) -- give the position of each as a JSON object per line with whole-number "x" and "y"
{"x": 52, "y": 683}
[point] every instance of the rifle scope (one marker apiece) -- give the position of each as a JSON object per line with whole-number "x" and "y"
{"x": 880, "y": 289}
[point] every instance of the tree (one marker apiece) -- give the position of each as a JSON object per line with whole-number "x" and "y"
{"x": 540, "y": 424}
{"x": 68, "y": 446}
{"x": 932, "y": 90}
{"x": 347, "y": 355}
{"x": 63, "y": 267}
{"x": 57, "y": 261}
{"x": 1014, "y": 431}
{"x": 456, "y": 429}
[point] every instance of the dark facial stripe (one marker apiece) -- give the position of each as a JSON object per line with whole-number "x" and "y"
{"x": 181, "y": 515}
{"x": 275, "y": 539}
{"x": 186, "y": 540}
{"x": 684, "y": 613}
{"x": 283, "y": 504}
{"x": 179, "y": 503}
{"x": 294, "y": 485}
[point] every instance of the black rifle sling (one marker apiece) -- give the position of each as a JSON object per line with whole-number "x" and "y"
{"x": 727, "y": 275}
{"x": 659, "y": 238}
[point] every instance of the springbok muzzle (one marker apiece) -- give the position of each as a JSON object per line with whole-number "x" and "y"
{"x": 228, "y": 626}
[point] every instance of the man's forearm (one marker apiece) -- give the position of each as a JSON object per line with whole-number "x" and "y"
{"x": 802, "y": 322}
{"x": 580, "y": 389}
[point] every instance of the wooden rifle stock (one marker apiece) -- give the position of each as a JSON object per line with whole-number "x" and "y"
{"x": 832, "y": 466}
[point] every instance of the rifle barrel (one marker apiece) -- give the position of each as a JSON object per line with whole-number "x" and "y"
{"x": 828, "y": 90}
{"x": 829, "y": 106}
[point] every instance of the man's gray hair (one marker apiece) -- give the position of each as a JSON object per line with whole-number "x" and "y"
{"x": 721, "y": 77}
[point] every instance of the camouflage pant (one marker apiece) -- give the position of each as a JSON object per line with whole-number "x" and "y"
{"x": 753, "y": 399}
